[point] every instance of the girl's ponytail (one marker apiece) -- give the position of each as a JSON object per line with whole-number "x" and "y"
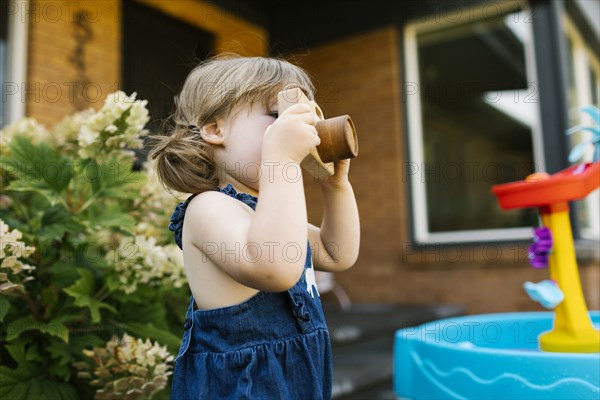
{"x": 184, "y": 161}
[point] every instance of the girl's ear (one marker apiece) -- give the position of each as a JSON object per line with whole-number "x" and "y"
{"x": 212, "y": 133}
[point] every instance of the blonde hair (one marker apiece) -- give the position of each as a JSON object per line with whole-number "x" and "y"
{"x": 184, "y": 161}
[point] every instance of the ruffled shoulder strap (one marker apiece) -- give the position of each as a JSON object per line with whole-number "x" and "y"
{"x": 243, "y": 197}
{"x": 176, "y": 221}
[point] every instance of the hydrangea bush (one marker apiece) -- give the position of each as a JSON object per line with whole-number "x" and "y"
{"x": 92, "y": 288}
{"x": 127, "y": 368}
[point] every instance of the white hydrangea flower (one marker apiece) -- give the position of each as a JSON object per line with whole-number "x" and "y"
{"x": 88, "y": 136}
{"x": 176, "y": 270}
{"x": 142, "y": 261}
{"x": 14, "y": 272}
{"x": 111, "y": 128}
{"x": 10, "y": 239}
{"x": 65, "y": 134}
{"x": 28, "y": 127}
{"x": 129, "y": 368}
{"x": 106, "y": 134}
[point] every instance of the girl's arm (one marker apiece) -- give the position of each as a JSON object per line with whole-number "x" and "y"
{"x": 336, "y": 243}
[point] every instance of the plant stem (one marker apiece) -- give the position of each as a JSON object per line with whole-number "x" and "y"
{"x": 90, "y": 201}
{"x": 69, "y": 203}
{"x": 101, "y": 292}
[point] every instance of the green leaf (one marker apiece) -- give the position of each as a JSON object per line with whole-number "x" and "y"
{"x": 89, "y": 171}
{"x": 111, "y": 178}
{"x": 56, "y": 221}
{"x": 59, "y": 181}
{"x": 121, "y": 193}
{"x": 60, "y": 351}
{"x": 33, "y": 354}
{"x": 83, "y": 290}
{"x": 63, "y": 273}
{"x": 42, "y": 163}
{"x": 17, "y": 352}
{"x": 110, "y": 216}
{"x": 13, "y": 382}
{"x": 26, "y": 382}
{"x": 23, "y": 186}
{"x": 61, "y": 371}
{"x": 4, "y": 306}
{"x": 86, "y": 340}
{"x": 65, "y": 353}
{"x": 38, "y": 168}
{"x": 54, "y": 328}
{"x": 90, "y": 254}
{"x": 153, "y": 312}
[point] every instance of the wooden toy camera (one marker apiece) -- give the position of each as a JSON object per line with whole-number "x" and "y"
{"x": 338, "y": 135}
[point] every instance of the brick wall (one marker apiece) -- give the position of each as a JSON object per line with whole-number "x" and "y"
{"x": 52, "y": 74}
{"x": 361, "y": 76}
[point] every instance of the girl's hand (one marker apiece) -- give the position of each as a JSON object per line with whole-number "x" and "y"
{"x": 339, "y": 177}
{"x": 292, "y": 136}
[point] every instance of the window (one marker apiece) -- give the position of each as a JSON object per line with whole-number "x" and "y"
{"x": 584, "y": 86}
{"x": 473, "y": 122}
{"x": 13, "y": 59}
{"x": 3, "y": 56}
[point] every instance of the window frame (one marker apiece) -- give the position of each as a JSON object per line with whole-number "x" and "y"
{"x": 415, "y": 148}
{"x": 583, "y": 62}
{"x": 16, "y": 60}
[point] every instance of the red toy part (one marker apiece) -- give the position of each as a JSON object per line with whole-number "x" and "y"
{"x": 564, "y": 186}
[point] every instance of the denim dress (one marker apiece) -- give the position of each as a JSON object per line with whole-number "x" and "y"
{"x": 271, "y": 346}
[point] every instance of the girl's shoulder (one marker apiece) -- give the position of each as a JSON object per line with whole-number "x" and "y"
{"x": 211, "y": 204}
{"x": 215, "y": 217}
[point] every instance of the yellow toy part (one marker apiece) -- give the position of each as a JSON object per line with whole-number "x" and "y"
{"x": 573, "y": 331}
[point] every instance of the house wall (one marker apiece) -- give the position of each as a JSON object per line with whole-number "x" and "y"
{"x": 54, "y": 79}
{"x": 361, "y": 76}
{"x": 52, "y": 74}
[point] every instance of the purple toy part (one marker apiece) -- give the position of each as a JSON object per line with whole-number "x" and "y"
{"x": 539, "y": 251}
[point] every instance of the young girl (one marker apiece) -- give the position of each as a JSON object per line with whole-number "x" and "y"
{"x": 254, "y": 328}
